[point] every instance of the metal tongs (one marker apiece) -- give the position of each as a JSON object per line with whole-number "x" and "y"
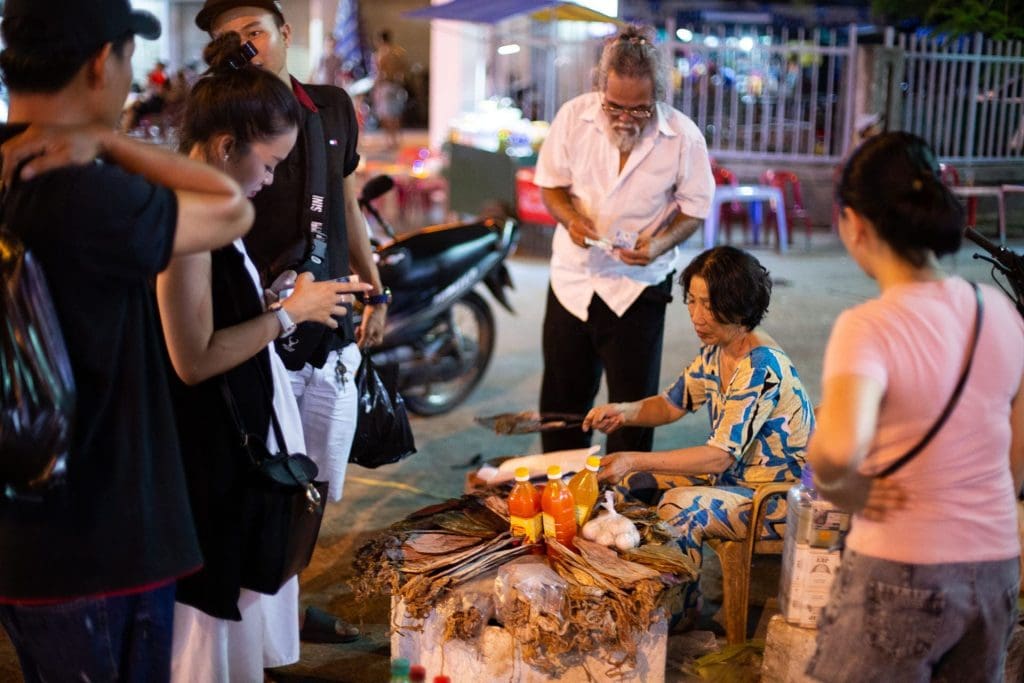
{"x": 529, "y": 422}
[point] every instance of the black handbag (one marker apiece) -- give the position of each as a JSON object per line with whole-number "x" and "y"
{"x": 383, "y": 435}
{"x": 37, "y": 389}
{"x": 282, "y": 506}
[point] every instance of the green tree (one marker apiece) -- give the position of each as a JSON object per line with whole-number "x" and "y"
{"x": 998, "y": 19}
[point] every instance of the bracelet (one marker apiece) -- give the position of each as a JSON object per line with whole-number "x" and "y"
{"x": 378, "y": 299}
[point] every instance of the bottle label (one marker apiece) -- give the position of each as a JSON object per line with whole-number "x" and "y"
{"x": 526, "y": 526}
{"x": 549, "y": 526}
{"x": 582, "y": 514}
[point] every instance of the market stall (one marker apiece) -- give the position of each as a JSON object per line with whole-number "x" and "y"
{"x": 469, "y": 596}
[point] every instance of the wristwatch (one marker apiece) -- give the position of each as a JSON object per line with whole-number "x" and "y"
{"x": 287, "y": 326}
{"x": 378, "y": 299}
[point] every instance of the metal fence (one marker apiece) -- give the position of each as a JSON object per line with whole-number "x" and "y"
{"x": 757, "y": 93}
{"x": 964, "y": 95}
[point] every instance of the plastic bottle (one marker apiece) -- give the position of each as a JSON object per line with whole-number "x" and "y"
{"x": 417, "y": 674}
{"x": 558, "y": 509}
{"x": 400, "y": 670}
{"x": 524, "y": 508}
{"x": 810, "y": 554}
{"x": 583, "y": 486}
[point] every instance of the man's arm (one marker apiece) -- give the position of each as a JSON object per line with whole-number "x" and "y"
{"x": 212, "y": 210}
{"x": 360, "y": 256}
{"x": 559, "y": 204}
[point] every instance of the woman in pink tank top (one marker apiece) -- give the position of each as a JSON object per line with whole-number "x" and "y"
{"x": 929, "y": 579}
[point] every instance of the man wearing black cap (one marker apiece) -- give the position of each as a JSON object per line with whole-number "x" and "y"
{"x": 87, "y": 569}
{"x": 309, "y": 220}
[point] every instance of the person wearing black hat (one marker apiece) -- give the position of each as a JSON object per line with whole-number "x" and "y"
{"x": 89, "y": 566}
{"x": 309, "y": 220}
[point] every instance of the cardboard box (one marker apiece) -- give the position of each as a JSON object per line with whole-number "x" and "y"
{"x": 494, "y": 654}
{"x": 807, "y": 575}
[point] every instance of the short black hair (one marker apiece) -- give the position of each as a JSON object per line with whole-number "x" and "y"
{"x": 739, "y": 287}
{"x": 894, "y": 180}
{"x": 44, "y": 71}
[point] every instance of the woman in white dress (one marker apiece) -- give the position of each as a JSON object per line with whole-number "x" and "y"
{"x": 219, "y": 328}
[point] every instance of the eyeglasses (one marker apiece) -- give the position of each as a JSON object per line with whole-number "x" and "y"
{"x": 616, "y": 111}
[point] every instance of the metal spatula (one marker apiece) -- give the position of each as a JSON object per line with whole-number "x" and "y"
{"x": 529, "y": 422}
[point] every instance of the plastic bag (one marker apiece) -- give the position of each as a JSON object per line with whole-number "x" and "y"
{"x": 37, "y": 391}
{"x": 532, "y": 580}
{"x": 383, "y": 434}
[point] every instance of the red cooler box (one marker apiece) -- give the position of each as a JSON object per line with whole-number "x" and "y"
{"x": 529, "y": 204}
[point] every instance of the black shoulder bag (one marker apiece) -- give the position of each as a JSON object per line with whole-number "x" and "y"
{"x": 951, "y": 404}
{"x": 282, "y": 505}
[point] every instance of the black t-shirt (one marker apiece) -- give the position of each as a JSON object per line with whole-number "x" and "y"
{"x": 123, "y": 522}
{"x": 280, "y": 236}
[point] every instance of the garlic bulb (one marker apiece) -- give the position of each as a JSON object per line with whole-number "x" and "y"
{"x": 611, "y": 528}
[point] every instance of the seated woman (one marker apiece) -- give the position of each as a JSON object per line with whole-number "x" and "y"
{"x": 220, "y": 332}
{"x": 761, "y": 417}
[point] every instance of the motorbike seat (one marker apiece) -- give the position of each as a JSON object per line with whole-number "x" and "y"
{"x": 438, "y": 256}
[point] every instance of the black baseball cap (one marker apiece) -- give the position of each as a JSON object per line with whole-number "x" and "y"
{"x": 214, "y": 8}
{"x": 75, "y": 24}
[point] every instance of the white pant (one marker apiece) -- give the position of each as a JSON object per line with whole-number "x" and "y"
{"x": 328, "y": 409}
{"x": 222, "y": 651}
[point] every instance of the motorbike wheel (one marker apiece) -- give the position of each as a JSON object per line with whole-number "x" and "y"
{"x": 469, "y": 327}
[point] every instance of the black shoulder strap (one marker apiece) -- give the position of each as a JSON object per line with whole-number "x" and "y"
{"x": 316, "y": 196}
{"x": 951, "y": 404}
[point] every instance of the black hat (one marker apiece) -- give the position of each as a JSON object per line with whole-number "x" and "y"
{"x": 75, "y": 24}
{"x": 214, "y": 8}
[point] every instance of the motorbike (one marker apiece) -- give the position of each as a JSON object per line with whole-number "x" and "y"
{"x": 1008, "y": 264}
{"x": 440, "y": 330}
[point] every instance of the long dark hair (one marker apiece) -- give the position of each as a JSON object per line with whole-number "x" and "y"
{"x": 893, "y": 180}
{"x": 236, "y": 97}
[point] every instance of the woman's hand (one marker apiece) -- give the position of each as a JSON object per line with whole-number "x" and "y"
{"x": 615, "y": 467}
{"x": 321, "y": 301}
{"x": 872, "y": 498}
{"x": 608, "y": 418}
{"x": 285, "y": 280}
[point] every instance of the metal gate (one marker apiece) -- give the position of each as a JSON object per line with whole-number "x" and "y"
{"x": 757, "y": 93}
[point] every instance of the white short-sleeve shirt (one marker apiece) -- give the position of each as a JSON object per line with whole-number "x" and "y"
{"x": 668, "y": 169}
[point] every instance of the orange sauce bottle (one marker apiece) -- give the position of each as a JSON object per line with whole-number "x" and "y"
{"x": 583, "y": 486}
{"x": 558, "y": 509}
{"x": 524, "y": 508}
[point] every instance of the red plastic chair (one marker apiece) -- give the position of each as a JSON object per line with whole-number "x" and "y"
{"x": 789, "y": 184}
{"x": 951, "y": 177}
{"x": 732, "y": 211}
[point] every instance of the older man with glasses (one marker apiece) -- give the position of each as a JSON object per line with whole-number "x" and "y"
{"x": 628, "y": 178}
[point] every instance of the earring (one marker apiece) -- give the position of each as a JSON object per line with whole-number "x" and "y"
{"x": 226, "y": 156}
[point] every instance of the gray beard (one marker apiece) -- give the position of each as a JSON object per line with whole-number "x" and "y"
{"x": 623, "y": 141}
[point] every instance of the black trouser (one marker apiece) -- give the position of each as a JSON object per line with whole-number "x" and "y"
{"x": 627, "y": 349}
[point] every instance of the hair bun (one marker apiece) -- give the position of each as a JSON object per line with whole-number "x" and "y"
{"x": 223, "y": 52}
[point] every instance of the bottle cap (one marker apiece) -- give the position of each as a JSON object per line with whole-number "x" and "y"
{"x": 593, "y": 462}
{"x": 400, "y": 666}
{"x": 442, "y": 679}
{"x": 417, "y": 672}
{"x": 554, "y": 472}
{"x": 522, "y": 474}
{"x": 807, "y": 477}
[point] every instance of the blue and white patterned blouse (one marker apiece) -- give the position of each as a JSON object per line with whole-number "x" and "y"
{"x": 763, "y": 416}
